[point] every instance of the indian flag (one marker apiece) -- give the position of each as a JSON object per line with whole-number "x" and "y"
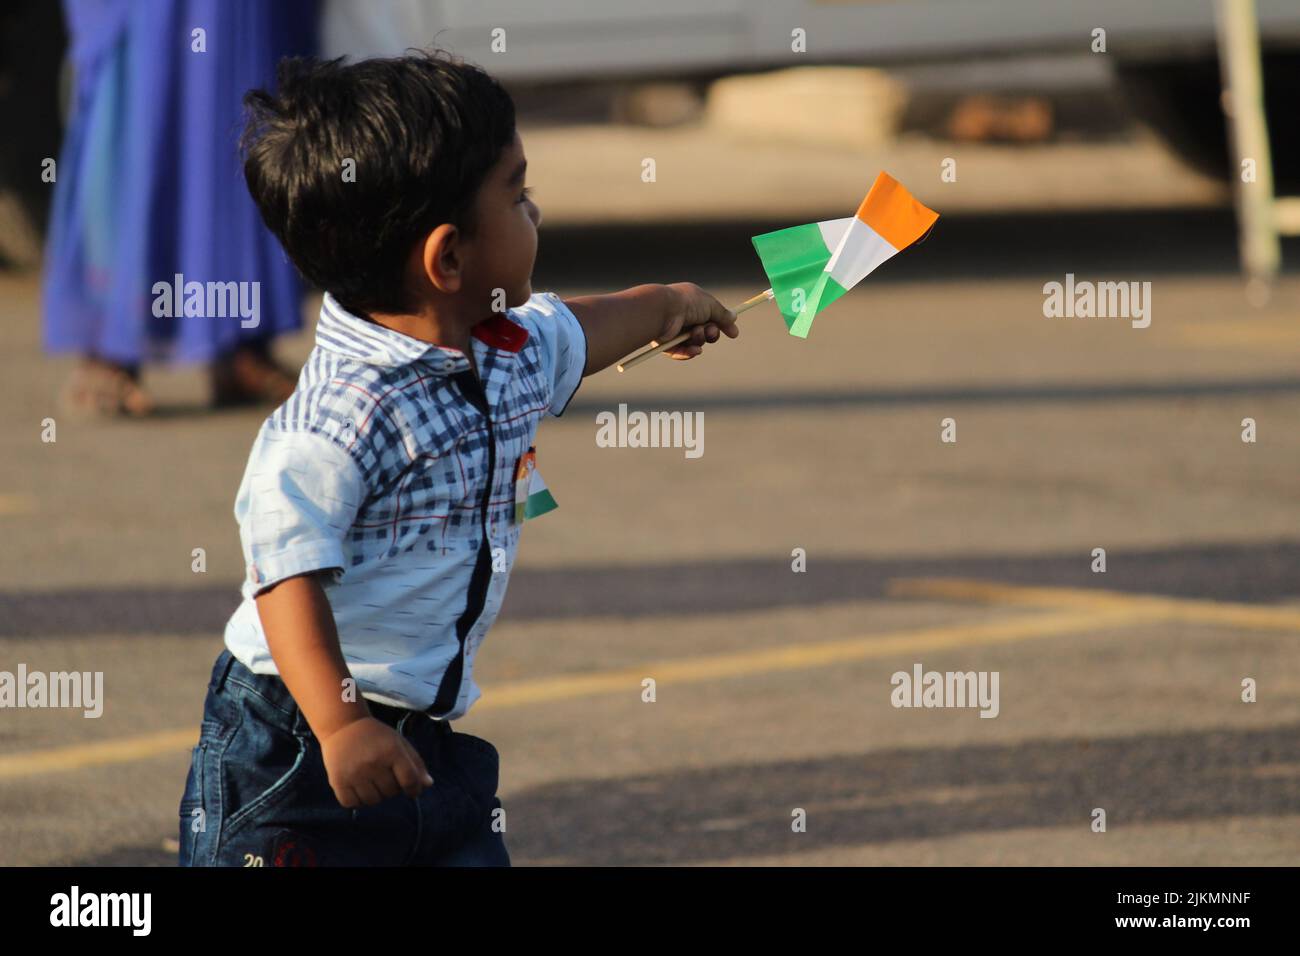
{"x": 811, "y": 266}
{"x": 532, "y": 497}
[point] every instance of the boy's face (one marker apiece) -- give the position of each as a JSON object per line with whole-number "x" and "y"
{"x": 505, "y": 243}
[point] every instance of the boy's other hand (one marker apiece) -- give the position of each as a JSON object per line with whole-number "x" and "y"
{"x": 691, "y": 309}
{"x": 367, "y": 761}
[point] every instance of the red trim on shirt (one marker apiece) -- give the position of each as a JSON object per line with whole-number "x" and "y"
{"x": 500, "y": 333}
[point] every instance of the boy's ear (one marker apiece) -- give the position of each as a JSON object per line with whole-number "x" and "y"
{"x": 441, "y": 258}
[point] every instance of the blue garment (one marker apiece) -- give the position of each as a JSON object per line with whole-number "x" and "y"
{"x": 149, "y": 183}
{"x": 393, "y": 465}
{"x": 258, "y": 793}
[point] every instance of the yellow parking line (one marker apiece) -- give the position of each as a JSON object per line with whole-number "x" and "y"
{"x": 627, "y": 680}
{"x": 1242, "y": 333}
{"x": 804, "y": 656}
{"x": 17, "y": 504}
{"x": 1191, "y": 610}
{"x": 80, "y": 756}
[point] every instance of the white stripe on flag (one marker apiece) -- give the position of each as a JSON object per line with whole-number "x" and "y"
{"x": 860, "y": 251}
{"x": 833, "y": 231}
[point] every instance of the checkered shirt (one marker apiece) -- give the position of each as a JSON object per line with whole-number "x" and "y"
{"x": 375, "y": 467}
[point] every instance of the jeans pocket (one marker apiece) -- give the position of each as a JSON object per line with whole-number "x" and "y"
{"x": 198, "y": 801}
{"x": 477, "y": 743}
{"x": 459, "y": 809}
{"x": 257, "y": 770}
{"x": 193, "y": 816}
{"x": 478, "y": 764}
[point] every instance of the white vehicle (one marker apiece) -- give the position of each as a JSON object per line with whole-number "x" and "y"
{"x": 1163, "y": 50}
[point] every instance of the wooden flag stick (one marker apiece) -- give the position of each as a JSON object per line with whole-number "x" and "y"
{"x": 656, "y": 348}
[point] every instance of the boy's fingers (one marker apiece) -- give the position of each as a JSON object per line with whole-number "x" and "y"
{"x": 702, "y": 335}
{"x": 386, "y": 783}
{"x": 347, "y": 797}
{"x": 367, "y": 792}
{"x": 412, "y": 784}
{"x": 418, "y": 771}
{"x": 723, "y": 316}
{"x": 412, "y": 774}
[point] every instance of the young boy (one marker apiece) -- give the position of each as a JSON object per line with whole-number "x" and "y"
{"x": 379, "y": 498}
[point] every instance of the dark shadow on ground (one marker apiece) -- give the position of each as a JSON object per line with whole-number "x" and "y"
{"x": 735, "y": 811}
{"x": 1111, "y": 244}
{"x": 852, "y": 800}
{"x": 755, "y": 401}
{"x": 1255, "y": 573}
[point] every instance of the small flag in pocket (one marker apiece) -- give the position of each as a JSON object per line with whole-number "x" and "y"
{"x": 532, "y": 497}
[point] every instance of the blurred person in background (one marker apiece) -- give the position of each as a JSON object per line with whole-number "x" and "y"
{"x": 149, "y": 186}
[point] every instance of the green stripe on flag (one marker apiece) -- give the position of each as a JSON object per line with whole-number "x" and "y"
{"x": 539, "y": 502}
{"x": 794, "y": 258}
{"x": 824, "y": 292}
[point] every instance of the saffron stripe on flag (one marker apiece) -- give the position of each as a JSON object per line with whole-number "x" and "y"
{"x": 894, "y": 214}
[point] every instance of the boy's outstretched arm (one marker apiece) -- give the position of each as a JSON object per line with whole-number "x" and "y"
{"x": 623, "y": 322}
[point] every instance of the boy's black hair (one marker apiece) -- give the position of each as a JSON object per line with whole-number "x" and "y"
{"x": 422, "y": 129}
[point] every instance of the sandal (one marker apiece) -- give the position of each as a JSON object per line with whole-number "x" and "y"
{"x": 249, "y": 375}
{"x": 99, "y": 387}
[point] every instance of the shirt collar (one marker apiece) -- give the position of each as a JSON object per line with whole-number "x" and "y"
{"x": 353, "y": 337}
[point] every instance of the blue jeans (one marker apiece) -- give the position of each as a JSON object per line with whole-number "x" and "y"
{"x": 258, "y": 794}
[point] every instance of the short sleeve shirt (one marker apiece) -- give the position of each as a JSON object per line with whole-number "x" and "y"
{"x": 375, "y": 470}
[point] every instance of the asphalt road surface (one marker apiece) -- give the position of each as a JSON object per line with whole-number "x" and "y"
{"x": 1119, "y": 690}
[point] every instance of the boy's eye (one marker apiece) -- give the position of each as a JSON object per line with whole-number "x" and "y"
{"x": 526, "y": 194}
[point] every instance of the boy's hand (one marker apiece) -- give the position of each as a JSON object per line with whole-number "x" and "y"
{"x": 691, "y": 309}
{"x": 367, "y": 761}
